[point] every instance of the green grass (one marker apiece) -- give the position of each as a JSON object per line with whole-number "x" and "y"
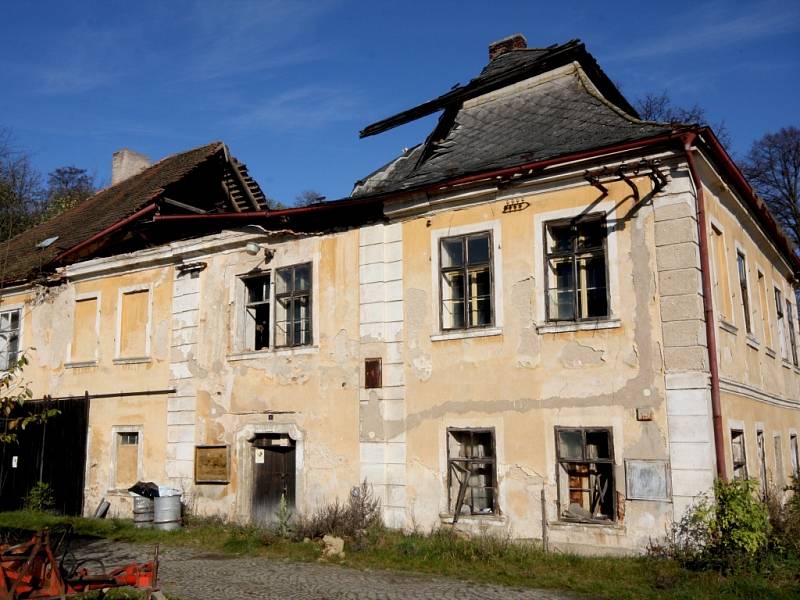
{"x": 486, "y": 560}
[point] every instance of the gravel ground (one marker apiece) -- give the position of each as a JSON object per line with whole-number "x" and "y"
{"x": 192, "y": 575}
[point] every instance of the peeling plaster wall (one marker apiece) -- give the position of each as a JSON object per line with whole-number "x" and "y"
{"x": 312, "y": 391}
{"x": 524, "y": 383}
{"x": 47, "y": 333}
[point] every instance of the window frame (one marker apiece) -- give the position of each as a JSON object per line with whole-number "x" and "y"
{"x": 780, "y": 320}
{"x": 790, "y": 311}
{"x": 11, "y": 309}
{"x": 243, "y": 345}
{"x": 546, "y": 225}
{"x": 609, "y": 431}
{"x": 794, "y": 453}
{"x": 292, "y": 295}
{"x": 739, "y": 433}
{"x": 116, "y": 432}
{"x": 744, "y": 289}
{"x": 71, "y": 359}
{"x": 464, "y": 237}
{"x": 763, "y": 305}
{"x": 451, "y": 506}
{"x": 761, "y": 453}
{"x": 721, "y": 292}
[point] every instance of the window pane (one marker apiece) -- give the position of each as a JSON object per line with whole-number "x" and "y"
{"x": 570, "y": 444}
{"x": 284, "y": 281}
{"x": 259, "y": 325}
{"x": 302, "y": 278}
{"x": 453, "y": 299}
{"x": 257, "y": 289}
{"x": 478, "y": 249}
{"x": 592, "y": 286}
{"x": 562, "y": 294}
{"x": 597, "y": 445}
{"x": 452, "y": 252}
{"x": 15, "y": 319}
{"x": 480, "y": 302}
{"x": 560, "y": 238}
{"x": 590, "y": 234}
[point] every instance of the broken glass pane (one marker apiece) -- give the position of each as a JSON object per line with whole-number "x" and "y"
{"x": 478, "y": 249}
{"x": 452, "y": 252}
{"x": 570, "y": 444}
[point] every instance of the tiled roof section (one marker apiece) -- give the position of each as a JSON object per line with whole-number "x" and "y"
{"x": 20, "y": 257}
{"x": 533, "y": 120}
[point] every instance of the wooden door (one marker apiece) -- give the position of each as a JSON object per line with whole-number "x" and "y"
{"x": 273, "y": 476}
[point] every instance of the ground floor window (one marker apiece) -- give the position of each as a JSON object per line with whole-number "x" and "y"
{"x": 127, "y": 458}
{"x": 585, "y": 474}
{"x": 471, "y": 473}
{"x": 739, "y": 455}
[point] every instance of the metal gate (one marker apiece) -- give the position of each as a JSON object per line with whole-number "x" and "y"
{"x": 53, "y": 452}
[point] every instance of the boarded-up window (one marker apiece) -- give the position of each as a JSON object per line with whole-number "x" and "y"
{"x": 84, "y": 331}
{"x": 722, "y": 288}
{"x": 127, "y": 468}
{"x": 134, "y": 324}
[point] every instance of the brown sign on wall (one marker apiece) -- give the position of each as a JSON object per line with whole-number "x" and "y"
{"x": 211, "y": 464}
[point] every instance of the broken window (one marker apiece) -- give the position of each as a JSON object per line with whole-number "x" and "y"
{"x": 373, "y": 373}
{"x": 466, "y": 280}
{"x": 471, "y": 473}
{"x": 781, "y": 324}
{"x": 577, "y": 286}
{"x": 585, "y": 474}
{"x": 762, "y": 462}
{"x": 790, "y": 327}
{"x": 794, "y": 450}
{"x": 256, "y": 325}
{"x": 293, "y": 306}
{"x": 738, "y": 453}
{"x": 741, "y": 263}
{"x": 9, "y": 338}
{"x": 127, "y": 455}
{"x": 764, "y": 308}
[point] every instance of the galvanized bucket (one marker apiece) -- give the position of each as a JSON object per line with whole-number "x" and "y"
{"x": 167, "y": 514}
{"x": 142, "y": 511}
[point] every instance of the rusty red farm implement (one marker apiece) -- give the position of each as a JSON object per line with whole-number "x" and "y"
{"x": 31, "y": 570}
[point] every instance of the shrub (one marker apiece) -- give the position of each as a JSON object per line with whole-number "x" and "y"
{"x": 362, "y": 511}
{"x": 732, "y": 533}
{"x": 40, "y": 498}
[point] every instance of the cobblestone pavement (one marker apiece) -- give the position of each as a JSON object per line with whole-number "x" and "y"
{"x": 191, "y": 575}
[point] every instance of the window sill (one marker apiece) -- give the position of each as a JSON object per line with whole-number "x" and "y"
{"x": 579, "y": 326}
{"x": 725, "y": 326}
{"x": 467, "y": 333}
{"x": 611, "y": 525}
{"x": 80, "y": 364}
{"x": 487, "y": 519}
{"x": 133, "y": 360}
{"x": 256, "y": 354}
{"x": 786, "y": 364}
{"x": 752, "y": 342}
{"x": 770, "y": 352}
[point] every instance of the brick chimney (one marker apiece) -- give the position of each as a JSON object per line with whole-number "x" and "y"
{"x": 127, "y": 163}
{"x": 507, "y": 44}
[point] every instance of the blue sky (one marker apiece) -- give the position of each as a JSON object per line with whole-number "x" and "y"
{"x": 288, "y": 85}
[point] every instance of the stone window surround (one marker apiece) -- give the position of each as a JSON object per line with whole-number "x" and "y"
{"x": 238, "y": 299}
{"x": 112, "y": 488}
{"x": 71, "y": 364}
{"x": 497, "y": 280}
{"x": 118, "y": 359}
{"x": 612, "y": 261}
{"x": 738, "y": 425}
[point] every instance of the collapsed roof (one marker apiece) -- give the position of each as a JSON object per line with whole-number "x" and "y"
{"x": 202, "y": 180}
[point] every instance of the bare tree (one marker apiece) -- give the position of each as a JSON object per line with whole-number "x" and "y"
{"x": 773, "y": 168}
{"x": 308, "y": 197}
{"x": 20, "y": 188}
{"x": 659, "y": 107}
{"x": 66, "y": 187}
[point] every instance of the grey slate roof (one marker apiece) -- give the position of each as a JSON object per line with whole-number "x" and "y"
{"x": 520, "y": 123}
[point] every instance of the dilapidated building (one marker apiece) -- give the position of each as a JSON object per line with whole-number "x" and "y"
{"x": 550, "y": 317}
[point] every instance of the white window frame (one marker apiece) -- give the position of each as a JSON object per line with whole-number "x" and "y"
{"x": 93, "y": 361}
{"x": 494, "y": 227}
{"x": 607, "y": 208}
{"x": 240, "y": 318}
{"x": 112, "y": 474}
{"x": 19, "y": 307}
{"x": 781, "y": 325}
{"x": 148, "y": 287}
{"x": 740, "y": 250}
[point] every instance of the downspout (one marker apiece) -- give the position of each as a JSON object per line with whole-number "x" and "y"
{"x": 708, "y": 309}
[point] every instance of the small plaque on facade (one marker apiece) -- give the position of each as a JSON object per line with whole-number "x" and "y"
{"x": 211, "y": 464}
{"x": 647, "y": 479}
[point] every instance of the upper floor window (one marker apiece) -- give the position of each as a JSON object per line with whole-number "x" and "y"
{"x": 133, "y": 323}
{"x": 85, "y": 330}
{"x": 9, "y": 338}
{"x": 722, "y": 292}
{"x": 466, "y": 281}
{"x": 293, "y": 305}
{"x": 790, "y": 326}
{"x": 576, "y": 269}
{"x": 781, "y": 324}
{"x": 256, "y": 325}
{"x": 741, "y": 264}
{"x": 763, "y": 306}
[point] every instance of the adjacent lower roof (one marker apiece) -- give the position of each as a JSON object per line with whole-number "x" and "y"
{"x": 22, "y": 258}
